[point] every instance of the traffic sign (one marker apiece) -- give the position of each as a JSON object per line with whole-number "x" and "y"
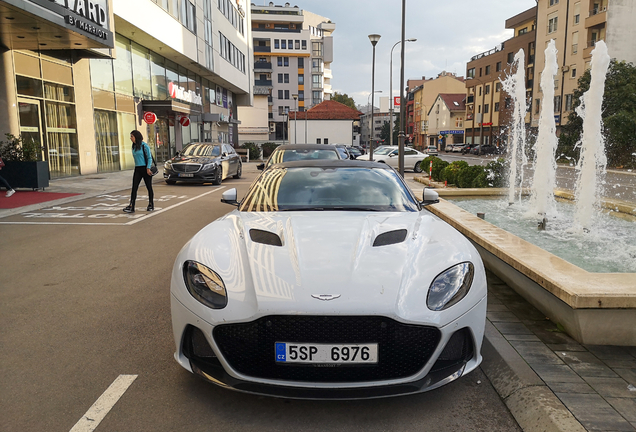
{"x": 150, "y": 117}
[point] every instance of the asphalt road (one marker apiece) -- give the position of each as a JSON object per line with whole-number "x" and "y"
{"x": 85, "y": 299}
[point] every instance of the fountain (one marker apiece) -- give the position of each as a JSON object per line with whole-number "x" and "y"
{"x": 594, "y": 299}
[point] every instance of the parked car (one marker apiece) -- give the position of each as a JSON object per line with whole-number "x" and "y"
{"x": 355, "y": 152}
{"x": 344, "y": 152}
{"x": 431, "y": 150}
{"x": 294, "y": 152}
{"x": 484, "y": 149}
{"x": 468, "y": 148}
{"x": 389, "y": 156}
{"x": 203, "y": 163}
{"x": 458, "y": 148}
{"x": 329, "y": 280}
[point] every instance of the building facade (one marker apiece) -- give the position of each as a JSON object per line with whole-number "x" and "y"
{"x": 293, "y": 51}
{"x": 81, "y": 78}
{"x": 575, "y": 26}
{"x": 329, "y": 122}
{"x": 488, "y": 107}
{"x": 446, "y": 120}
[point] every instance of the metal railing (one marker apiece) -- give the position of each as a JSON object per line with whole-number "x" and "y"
{"x": 597, "y": 10}
{"x": 487, "y": 53}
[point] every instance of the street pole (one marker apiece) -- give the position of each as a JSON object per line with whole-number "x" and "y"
{"x": 306, "y": 126}
{"x": 374, "y": 38}
{"x": 402, "y": 98}
{"x": 391, "y": 89}
{"x": 370, "y": 131}
{"x": 295, "y": 96}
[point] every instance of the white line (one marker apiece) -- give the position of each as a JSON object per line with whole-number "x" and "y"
{"x": 104, "y": 404}
{"x": 62, "y": 223}
{"x": 172, "y": 206}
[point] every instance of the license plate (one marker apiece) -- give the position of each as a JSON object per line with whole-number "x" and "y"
{"x": 291, "y": 352}
{"x": 186, "y": 175}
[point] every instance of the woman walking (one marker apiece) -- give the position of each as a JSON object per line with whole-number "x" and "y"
{"x": 143, "y": 162}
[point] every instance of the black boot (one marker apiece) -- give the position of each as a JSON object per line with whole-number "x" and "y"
{"x": 129, "y": 209}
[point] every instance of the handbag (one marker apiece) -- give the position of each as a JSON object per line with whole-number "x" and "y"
{"x": 153, "y": 168}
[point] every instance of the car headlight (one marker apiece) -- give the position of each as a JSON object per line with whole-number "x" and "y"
{"x": 167, "y": 164}
{"x": 450, "y": 286}
{"x": 204, "y": 285}
{"x": 208, "y": 166}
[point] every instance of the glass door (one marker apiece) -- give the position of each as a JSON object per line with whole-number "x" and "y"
{"x": 30, "y": 121}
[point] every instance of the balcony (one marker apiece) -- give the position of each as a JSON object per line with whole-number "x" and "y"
{"x": 261, "y": 66}
{"x": 597, "y": 17}
{"x": 587, "y": 52}
{"x": 264, "y": 49}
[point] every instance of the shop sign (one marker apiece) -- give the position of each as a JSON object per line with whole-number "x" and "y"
{"x": 451, "y": 132}
{"x": 396, "y": 101}
{"x": 87, "y": 16}
{"x": 150, "y": 117}
{"x": 178, "y": 92}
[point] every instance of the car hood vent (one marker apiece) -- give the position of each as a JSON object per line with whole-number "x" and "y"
{"x": 265, "y": 237}
{"x": 390, "y": 237}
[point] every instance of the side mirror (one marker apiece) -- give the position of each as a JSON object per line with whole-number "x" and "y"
{"x": 224, "y": 154}
{"x": 260, "y": 166}
{"x": 429, "y": 196}
{"x": 392, "y": 155}
{"x": 229, "y": 197}
{"x": 351, "y": 156}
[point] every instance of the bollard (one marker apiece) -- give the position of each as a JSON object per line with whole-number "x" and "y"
{"x": 481, "y": 215}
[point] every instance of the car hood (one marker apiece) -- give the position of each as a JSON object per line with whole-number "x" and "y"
{"x": 328, "y": 254}
{"x": 376, "y": 157}
{"x": 195, "y": 159}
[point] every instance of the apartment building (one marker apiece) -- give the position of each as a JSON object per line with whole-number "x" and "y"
{"x": 489, "y": 108}
{"x": 77, "y": 77}
{"x": 446, "y": 120}
{"x": 576, "y": 25}
{"x": 293, "y": 51}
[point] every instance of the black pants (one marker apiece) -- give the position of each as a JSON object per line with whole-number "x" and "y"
{"x": 141, "y": 172}
{"x": 5, "y": 183}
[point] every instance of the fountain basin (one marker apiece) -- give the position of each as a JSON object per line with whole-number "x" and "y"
{"x": 593, "y": 308}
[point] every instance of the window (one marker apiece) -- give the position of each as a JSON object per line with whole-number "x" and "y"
{"x": 297, "y": 44}
{"x": 301, "y": 79}
{"x": 316, "y": 81}
{"x": 478, "y": 110}
{"x": 290, "y": 44}
{"x": 304, "y": 44}
{"x": 487, "y": 89}
{"x": 280, "y": 94}
{"x": 552, "y": 23}
{"x": 286, "y": 78}
{"x": 479, "y": 91}
{"x": 318, "y": 141}
{"x": 286, "y": 61}
{"x": 497, "y": 87}
{"x": 283, "y": 44}
{"x": 280, "y": 78}
{"x": 280, "y": 61}
{"x": 486, "y": 108}
{"x": 557, "y": 104}
{"x": 577, "y": 13}
{"x": 301, "y": 95}
{"x": 480, "y": 69}
{"x": 498, "y": 67}
{"x": 281, "y": 110}
{"x": 496, "y": 109}
{"x": 287, "y": 94}
{"x": 316, "y": 49}
{"x": 276, "y": 44}
{"x": 301, "y": 62}
{"x": 568, "y": 102}
{"x": 523, "y": 31}
{"x": 554, "y": 2}
{"x": 508, "y": 103}
{"x": 575, "y": 42}
{"x": 573, "y": 72}
{"x": 537, "y": 105}
{"x": 470, "y": 73}
{"x": 511, "y": 57}
{"x": 488, "y": 70}
{"x": 326, "y": 140}
{"x": 459, "y": 122}
{"x": 316, "y": 97}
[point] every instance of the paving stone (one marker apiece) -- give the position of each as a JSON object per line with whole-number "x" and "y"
{"x": 611, "y": 387}
{"x": 501, "y": 316}
{"x": 628, "y": 375}
{"x": 511, "y": 328}
{"x": 564, "y": 347}
{"x": 566, "y": 387}
{"x": 594, "y": 413}
{"x": 609, "y": 352}
{"x": 587, "y": 365}
{"x": 535, "y": 353}
{"x": 496, "y": 307}
{"x": 527, "y": 312}
{"x": 522, "y": 337}
{"x": 625, "y": 407}
{"x": 620, "y": 364}
{"x": 493, "y": 300}
{"x": 557, "y": 373}
{"x": 549, "y": 337}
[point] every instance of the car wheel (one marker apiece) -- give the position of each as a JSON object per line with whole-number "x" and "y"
{"x": 171, "y": 182}
{"x": 239, "y": 171}
{"x": 218, "y": 178}
{"x": 418, "y": 167}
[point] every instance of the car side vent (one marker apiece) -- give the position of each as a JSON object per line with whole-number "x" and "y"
{"x": 389, "y": 238}
{"x": 265, "y": 237}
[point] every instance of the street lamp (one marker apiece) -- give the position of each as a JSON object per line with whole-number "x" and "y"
{"x": 295, "y": 96}
{"x": 374, "y": 38}
{"x": 391, "y": 89}
{"x": 371, "y": 123}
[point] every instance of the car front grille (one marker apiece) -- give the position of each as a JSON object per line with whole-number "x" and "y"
{"x": 186, "y": 168}
{"x": 403, "y": 349}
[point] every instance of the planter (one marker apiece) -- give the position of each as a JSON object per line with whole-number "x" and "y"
{"x": 33, "y": 175}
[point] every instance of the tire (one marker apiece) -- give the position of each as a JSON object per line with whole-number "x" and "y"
{"x": 239, "y": 171}
{"x": 218, "y": 178}
{"x": 418, "y": 167}
{"x": 171, "y": 182}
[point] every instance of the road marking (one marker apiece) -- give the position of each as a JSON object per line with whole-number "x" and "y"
{"x": 104, "y": 404}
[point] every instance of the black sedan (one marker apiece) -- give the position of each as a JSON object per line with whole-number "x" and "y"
{"x": 203, "y": 163}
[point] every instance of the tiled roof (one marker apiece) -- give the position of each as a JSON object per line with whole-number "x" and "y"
{"x": 329, "y": 110}
{"x": 454, "y": 101}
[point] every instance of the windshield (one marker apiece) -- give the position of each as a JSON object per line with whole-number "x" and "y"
{"x": 335, "y": 189}
{"x": 289, "y": 155}
{"x": 384, "y": 150}
{"x": 202, "y": 150}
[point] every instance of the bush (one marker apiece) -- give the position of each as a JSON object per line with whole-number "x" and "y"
{"x": 20, "y": 149}
{"x": 268, "y": 149}
{"x": 438, "y": 166}
{"x": 449, "y": 174}
{"x": 468, "y": 176}
{"x": 496, "y": 173}
{"x": 254, "y": 150}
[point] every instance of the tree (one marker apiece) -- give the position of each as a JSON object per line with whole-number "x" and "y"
{"x": 344, "y": 98}
{"x": 619, "y": 117}
{"x": 384, "y": 133}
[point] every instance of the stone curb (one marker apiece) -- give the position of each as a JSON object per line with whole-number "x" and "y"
{"x": 533, "y": 405}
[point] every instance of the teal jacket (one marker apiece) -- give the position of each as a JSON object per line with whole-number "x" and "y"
{"x": 138, "y": 155}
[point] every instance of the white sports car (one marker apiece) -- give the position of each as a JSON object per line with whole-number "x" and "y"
{"x": 330, "y": 280}
{"x": 389, "y": 156}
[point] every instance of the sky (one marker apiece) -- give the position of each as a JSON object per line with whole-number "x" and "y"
{"x": 448, "y": 32}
